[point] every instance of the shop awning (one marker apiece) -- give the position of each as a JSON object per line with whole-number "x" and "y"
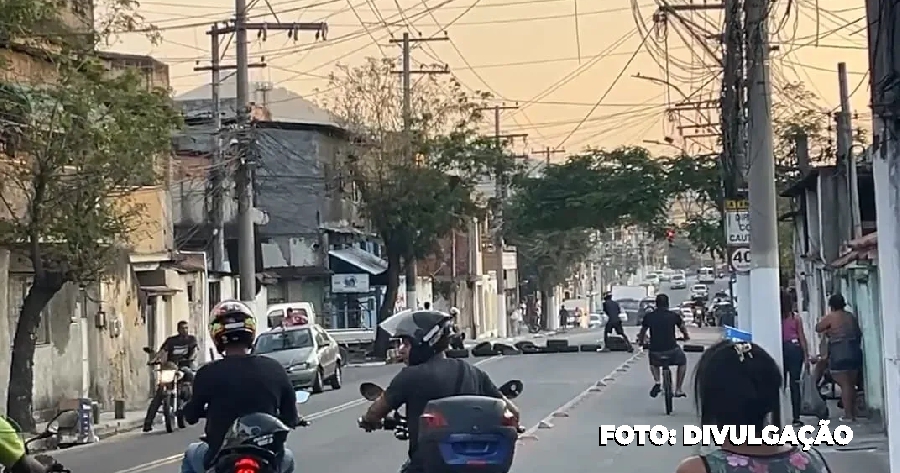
{"x": 361, "y": 259}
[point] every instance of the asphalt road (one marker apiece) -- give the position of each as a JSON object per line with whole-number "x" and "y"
{"x": 333, "y": 442}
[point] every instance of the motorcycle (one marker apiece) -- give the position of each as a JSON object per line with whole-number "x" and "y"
{"x": 699, "y": 316}
{"x": 175, "y": 388}
{"x": 461, "y": 434}
{"x": 65, "y": 421}
{"x": 255, "y": 444}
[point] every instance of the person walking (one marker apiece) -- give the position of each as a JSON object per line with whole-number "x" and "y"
{"x": 795, "y": 352}
{"x": 845, "y": 357}
{"x": 563, "y": 318}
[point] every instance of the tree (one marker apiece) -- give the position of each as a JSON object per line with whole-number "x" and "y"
{"x": 77, "y": 143}
{"x": 696, "y": 181}
{"x": 411, "y": 203}
{"x": 551, "y": 218}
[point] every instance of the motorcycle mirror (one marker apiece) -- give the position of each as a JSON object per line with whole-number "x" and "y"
{"x": 370, "y": 391}
{"x": 512, "y": 388}
{"x": 149, "y": 351}
{"x": 301, "y": 396}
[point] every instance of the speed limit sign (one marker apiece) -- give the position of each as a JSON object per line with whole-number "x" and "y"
{"x": 740, "y": 259}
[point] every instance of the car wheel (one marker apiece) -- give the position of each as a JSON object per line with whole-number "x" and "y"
{"x": 318, "y": 383}
{"x": 337, "y": 377}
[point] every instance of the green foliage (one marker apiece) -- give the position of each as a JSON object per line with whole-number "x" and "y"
{"x": 414, "y": 190}
{"x": 550, "y": 218}
{"x": 78, "y": 140}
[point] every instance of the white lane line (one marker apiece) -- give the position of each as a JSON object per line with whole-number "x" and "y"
{"x": 316, "y": 415}
{"x": 547, "y": 422}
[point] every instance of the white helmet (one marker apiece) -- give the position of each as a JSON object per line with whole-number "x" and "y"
{"x": 454, "y": 311}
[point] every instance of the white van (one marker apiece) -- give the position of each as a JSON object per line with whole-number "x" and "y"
{"x": 276, "y": 312}
{"x": 706, "y": 276}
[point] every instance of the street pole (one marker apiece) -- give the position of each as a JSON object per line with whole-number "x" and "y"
{"x": 246, "y": 221}
{"x": 765, "y": 318}
{"x": 884, "y": 42}
{"x": 217, "y": 170}
{"x": 405, "y": 75}
{"x": 502, "y": 319}
{"x": 844, "y": 119}
{"x": 549, "y": 152}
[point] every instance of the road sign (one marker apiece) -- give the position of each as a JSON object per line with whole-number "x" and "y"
{"x": 737, "y": 228}
{"x": 740, "y": 259}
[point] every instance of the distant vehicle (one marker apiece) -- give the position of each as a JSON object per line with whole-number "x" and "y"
{"x": 631, "y": 307}
{"x": 678, "y": 282}
{"x": 597, "y": 321}
{"x": 644, "y": 307}
{"x": 651, "y": 280}
{"x": 706, "y": 276}
{"x": 310, "y": 356}
{"x": 699, "y": 290}
{"x": 665, "y": 276}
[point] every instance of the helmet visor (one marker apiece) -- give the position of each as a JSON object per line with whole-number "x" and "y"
{"x": 401, "y": 324}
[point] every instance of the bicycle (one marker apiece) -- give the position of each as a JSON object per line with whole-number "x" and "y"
{"x": 668, "y": 389}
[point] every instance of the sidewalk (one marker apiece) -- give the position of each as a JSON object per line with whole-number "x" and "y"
{"x": 109, "y": 426}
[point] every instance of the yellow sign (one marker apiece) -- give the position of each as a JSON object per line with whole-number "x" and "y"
{"x": 732, "y": 205}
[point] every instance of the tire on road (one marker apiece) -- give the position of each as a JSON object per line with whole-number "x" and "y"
{"x": 457, "y": 353}
{"x": 587, "y": 347}
{"x": 531, "y": 349}
{"x": 568, "y": 349}
{"x": 693, "y": 348}
{"x": 483, "y": 349}
{"x": 557, "y": 343}
{"x": 524, "y": 343}
{"x": 506, "y": 350}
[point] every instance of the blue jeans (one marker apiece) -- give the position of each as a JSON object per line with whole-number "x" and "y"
{"x": 194, "y": 458}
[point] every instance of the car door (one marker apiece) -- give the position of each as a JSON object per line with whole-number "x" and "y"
{"x": 325, "y": 347}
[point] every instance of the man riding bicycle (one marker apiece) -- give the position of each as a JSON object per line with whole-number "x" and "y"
{"x": 663, "y": 346}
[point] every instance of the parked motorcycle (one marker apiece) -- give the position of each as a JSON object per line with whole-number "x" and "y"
{"x": 176, "y": 386}
{"x": 64, "y": 421}
{"x": 255, "y": 444}
{"x": 461, "y": 434}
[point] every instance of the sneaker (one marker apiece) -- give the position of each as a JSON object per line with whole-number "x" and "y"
{"x": 655, "y": 390}
{"x": 679, "y": 394}
{"x": 797, "y": 423}
{"x": 147, "y": 428}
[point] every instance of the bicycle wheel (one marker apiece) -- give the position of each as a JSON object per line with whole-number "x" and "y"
{"x": 668, "y": 394}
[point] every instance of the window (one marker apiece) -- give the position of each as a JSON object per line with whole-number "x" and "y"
{"x": 190, "y": 292}
{"x": 215, "y": 296}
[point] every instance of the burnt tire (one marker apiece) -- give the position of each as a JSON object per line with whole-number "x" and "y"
{"x": 457, "y": 353}
{"x": 589, "y": 347}
{"x": 531, "y": 350}
{"x": 524, "y": 343}
{"x": 506, "y": 350}
{"x": 568, "y": 349}
{"x": 557, "y": 343}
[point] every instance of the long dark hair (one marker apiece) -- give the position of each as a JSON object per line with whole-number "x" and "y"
{"x": 787, "y": 305}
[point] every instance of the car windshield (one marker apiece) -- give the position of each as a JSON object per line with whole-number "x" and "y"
{"x": 678, "y": 276}
{"x": 283, "y": 340}
{"x": 699, "y": 288}
{"x": 628, "y": 304}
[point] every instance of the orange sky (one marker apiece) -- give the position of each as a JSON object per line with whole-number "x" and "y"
{"x": 518, "y": 48}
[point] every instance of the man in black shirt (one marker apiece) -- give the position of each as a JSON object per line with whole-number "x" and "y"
{"x": 180, "y": 349}
{"x": 237, "y": 385}
{"x": 664, "y": 349}
{"x": 429, "y": 375}
{"x": 613, "y": 323}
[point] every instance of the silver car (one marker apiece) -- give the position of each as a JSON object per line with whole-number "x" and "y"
{"x": 311, "y": 357}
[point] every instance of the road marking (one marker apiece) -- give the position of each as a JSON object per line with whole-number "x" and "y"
{"x": 547, "y": 422}
{"x": 316, "y": 415}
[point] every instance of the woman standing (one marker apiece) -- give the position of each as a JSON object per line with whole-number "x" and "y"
{"x": 795, "y": 352}
{"x": 844, "y": 351}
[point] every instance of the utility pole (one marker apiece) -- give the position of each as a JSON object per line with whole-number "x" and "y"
{"x": 502, "y": 322}
{"x": 405, "y": 73}
{"x": 851, "y": 226}
{"x": 765, "y": 324}
{"x": 549, "y": 152}
{"x": 884, "y": 42}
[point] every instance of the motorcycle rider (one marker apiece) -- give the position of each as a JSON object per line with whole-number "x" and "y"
{"x": 12, "y": 452}
{"x": 180, "y": 349}
{"x": 458, "y": 338}
{"x": 221, "y": 392}
{"x": 427, "y": 335}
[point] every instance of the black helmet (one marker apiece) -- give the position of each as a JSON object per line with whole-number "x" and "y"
{"x": 423, "y": 328}
{"x": 259, "y": 430}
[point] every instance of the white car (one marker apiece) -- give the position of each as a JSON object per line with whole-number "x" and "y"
{"x": 651, "y": 280}
{"x": 678, "y": 282}
{"x": 706, "y": 276}
{"x": 700, "y": 290}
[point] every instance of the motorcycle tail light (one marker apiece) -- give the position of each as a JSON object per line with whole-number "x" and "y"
{"x": 246, "y": 465}
{"x": 509, "y": 420}
{"x": 434, "y": 420}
